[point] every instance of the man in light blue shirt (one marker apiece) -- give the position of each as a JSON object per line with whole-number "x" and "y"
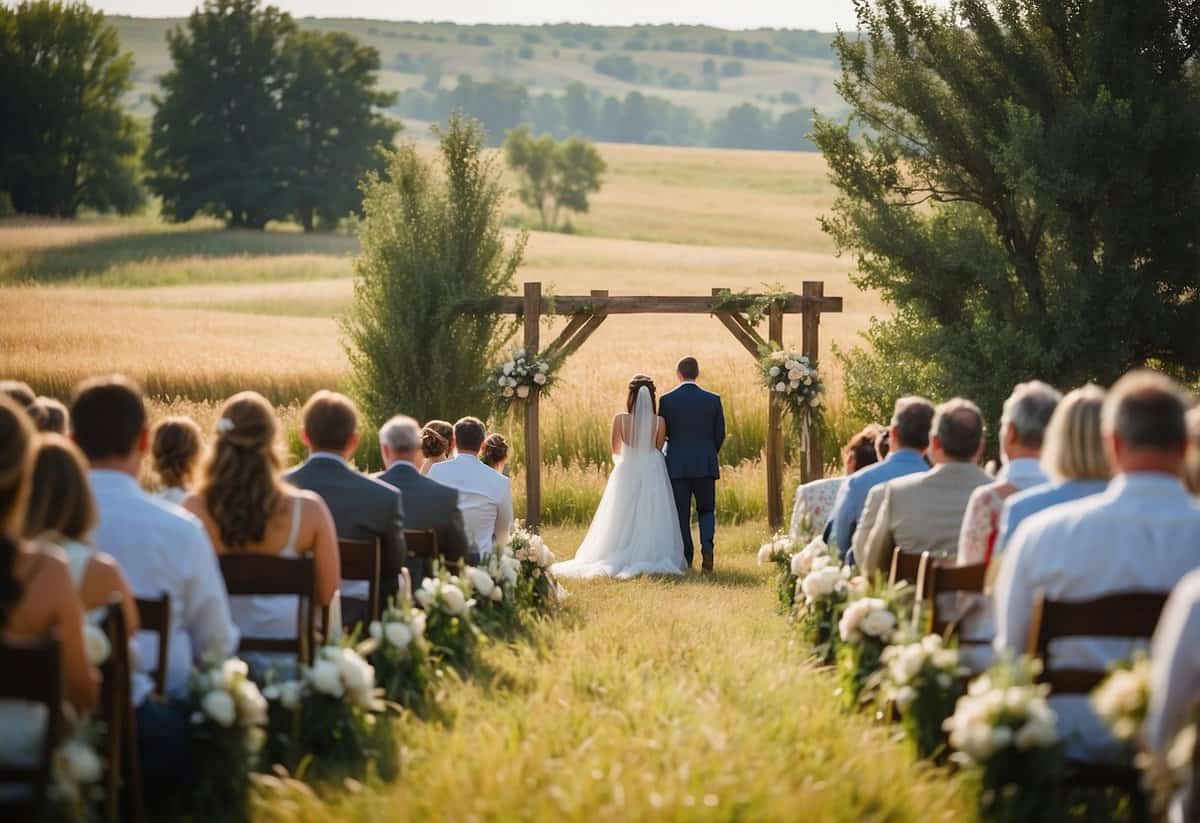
{"x": 909, "y": 438}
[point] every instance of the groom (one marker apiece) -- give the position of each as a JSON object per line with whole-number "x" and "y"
{"x": 695, "y": 431}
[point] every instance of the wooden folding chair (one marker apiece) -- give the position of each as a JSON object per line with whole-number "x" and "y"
{"x": 907, "y": 566}
{"x": 155, "y": 616}
{"x": 949, "y": 579}
{"x": 361, "y": 562}
{"x": 422, "y": 546}
{"x": 32, "y": 673}
{"x": 265, "y": 575}
{"x": 1129, "y": 615}
{"x": 123, "y": 776}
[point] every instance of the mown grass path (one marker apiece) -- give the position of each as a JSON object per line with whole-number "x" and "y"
{"x": 655, "y": 700}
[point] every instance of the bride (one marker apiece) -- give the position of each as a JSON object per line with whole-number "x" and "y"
{"x": 636, "y": 527}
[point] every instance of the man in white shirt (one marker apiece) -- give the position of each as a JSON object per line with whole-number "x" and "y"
{"x": 484, "y": 495}
{"x": 160, "y": 548}
{"x": 1142, "y": 534}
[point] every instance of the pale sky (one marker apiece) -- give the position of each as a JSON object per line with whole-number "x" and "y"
{"x": 823, "y": 15}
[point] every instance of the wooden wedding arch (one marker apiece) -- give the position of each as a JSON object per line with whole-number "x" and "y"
{"x": 587, "y": 313}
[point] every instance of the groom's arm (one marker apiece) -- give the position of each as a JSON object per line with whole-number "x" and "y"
{"x": 719, "y": 425}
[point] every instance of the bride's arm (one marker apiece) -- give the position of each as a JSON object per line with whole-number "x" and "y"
{"x": 616, "y": 435}
{"x": 662, "y": 434}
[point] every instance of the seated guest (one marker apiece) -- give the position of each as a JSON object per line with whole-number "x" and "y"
{"x": 1175, "y": 684}
{"x": 37, "y": 598}
{"x": 19, "y": 393}
{"x": 160, "y": 548}
{"x": 1141, "y": 534}
{"x": 175, "y": 451}
{"x": 362, "y": 508}
{"x": 1023, "y": 424}
{"x": 246, "y": 507}
{"x": 923, "y": 512}
{"x": 437, "y": 444}
{"x": 1073, "y": 457}
{"x": 62, "y": 513}
{"x": 484, "y": 495}
{"x": 494, "y": 453}
{"x": 430, "y": 504}
{"x": 815, "y": 499}
{"x": 908, "y": 438}
{"x": 883, "y": 444}
{"x": 49, "y": 415}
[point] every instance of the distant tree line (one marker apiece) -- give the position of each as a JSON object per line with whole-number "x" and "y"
{"x": 501, "y": 105}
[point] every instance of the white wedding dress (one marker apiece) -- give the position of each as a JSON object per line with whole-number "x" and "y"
{"x": 635, "y": 530}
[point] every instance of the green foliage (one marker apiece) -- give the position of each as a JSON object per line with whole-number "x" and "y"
{"x": 332, "y": 99}
{"x": 552, "y": 175}
{"x": 429, "y": 241}
{"x": 66, "y": 142}
{"x": 258, "y": 121}
{"x": 1025, "y": 192}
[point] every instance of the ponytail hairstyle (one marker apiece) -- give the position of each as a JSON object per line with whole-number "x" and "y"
{"x": 635, "y": 386}
{"x": 241, "y": 484}
{"x": 175, "y": 447}
{"x": 17, "y": 441}
{"x": 60, "y": 502}
{"x": 494, "y": 451}
{"x": 436, "y": 438}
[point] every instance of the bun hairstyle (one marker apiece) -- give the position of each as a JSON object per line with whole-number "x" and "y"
{"x": 436, "y": 438}
{"x": 495, "y": 450}
{"x": 635, "y": 386}
{"x": 17, "y": 439}
{"x": 175, "y": 447}
{"x": 241, "y": 485}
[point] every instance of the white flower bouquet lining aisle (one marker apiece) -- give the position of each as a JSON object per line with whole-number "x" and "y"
{"x": 796, "y": 385}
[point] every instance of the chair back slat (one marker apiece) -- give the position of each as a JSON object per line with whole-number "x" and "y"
{"x": 32, "y": 673}
{"x": 263, "y": 575}
{"x": 949, "y": 579}
{"x": 423, "y": 549}
{"x": 906, "y": 566}
{"x": 361, "y": 561}
{"x": 1128, "y": 615}
{"x": 123, "y": 798}
{"x": 155, "y": 616}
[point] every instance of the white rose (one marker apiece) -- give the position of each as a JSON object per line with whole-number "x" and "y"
{"x": 546, "y": 558}
{"x": 234, "y": 669}
{"x": 417, "y": 621}
{"x": 78, "y": 762}
{"x": 781, "y": 387}
{"x": 905, "y": 696}
{"x": 794, "y": 375}
{"x": 852, "y": 618}
{"x": 522, "y": 392}
{"x": 510, "y": 567}
{"x": 251, "y": 705}
{"x": 326, "y": 678}
{"x": 764, "y": 553}
{"x": 540, "y": 379}
{"x": 543, "y": 366}
{"x": 356, "y": 673}
{"x": 219, "y": 706}
{"x": 425, "y": 597}
{"x": 375, "y": 630}
{"x": 878, "y": 623}
{"x": 497, "y": 594}
{"x": 791, "y": 365}
{"x": 799, "y": 564}
{"x": 453, "y": 600}
{"x": 95, "y": 644}
{"x": 519, "y": 354}
{"x": 508, "y": 368}
{"x": 820, "y": 583}
{"x": 481, "y": 581}
{"x": 290, "y": 693}
{"x": 399, "y": 635}
{"x": 774, "y": 372}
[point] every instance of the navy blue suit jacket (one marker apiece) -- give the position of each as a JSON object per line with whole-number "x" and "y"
{"x": 695, "y": 431}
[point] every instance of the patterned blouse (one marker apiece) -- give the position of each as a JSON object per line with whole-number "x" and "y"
{"x": 814, "y": 507}
{"x": 981, "y": 523}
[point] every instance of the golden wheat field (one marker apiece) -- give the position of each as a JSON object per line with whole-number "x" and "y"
{"x": 196, "y": 312}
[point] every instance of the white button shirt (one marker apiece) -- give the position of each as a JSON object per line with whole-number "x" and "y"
{"x": 160, "y": 547}
{"x": 1142, "y": 534}
{"x": 484, "y": 498}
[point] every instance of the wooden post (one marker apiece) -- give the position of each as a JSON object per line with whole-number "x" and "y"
{"x": 775, "y": 432}
{"x": 814, "y": 460}
{"x": 533, "y": 443}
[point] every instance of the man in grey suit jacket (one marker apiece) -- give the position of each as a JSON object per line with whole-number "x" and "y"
{"x": 429, "y": 504}
{"x": 924, "y": 511}
{"x": 362, "y": 508}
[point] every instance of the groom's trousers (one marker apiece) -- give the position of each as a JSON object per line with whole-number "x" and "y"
{"x": 704, "y": 490}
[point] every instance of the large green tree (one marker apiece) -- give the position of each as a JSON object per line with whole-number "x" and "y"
{"x": 332, "y": 100}
{"x": 221, "y": 140}
{"x": 553, "y": 175}
{"x": 65, "y": 141}
{"x": 1024, "y": 188}
{"x": 432, "y": 236}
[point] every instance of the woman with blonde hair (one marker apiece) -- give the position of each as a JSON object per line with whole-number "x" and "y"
{"x": 62, "y": 513}
{"x": 437, "y": 444}
{"x": 175, "y": 447}
{"x": 37, "y": 599}
{"x": 1072, "y": 457}
{"x": 246, "y": 507}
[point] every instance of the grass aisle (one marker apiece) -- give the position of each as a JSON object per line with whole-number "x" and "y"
{"x": 655, "y": 699}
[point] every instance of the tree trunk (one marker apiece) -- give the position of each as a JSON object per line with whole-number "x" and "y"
{"x": 306, "y": 218}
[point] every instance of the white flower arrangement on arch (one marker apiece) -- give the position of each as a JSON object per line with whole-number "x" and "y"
{"x": 796, "y": 384}
{"x": 521, "y": 376}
